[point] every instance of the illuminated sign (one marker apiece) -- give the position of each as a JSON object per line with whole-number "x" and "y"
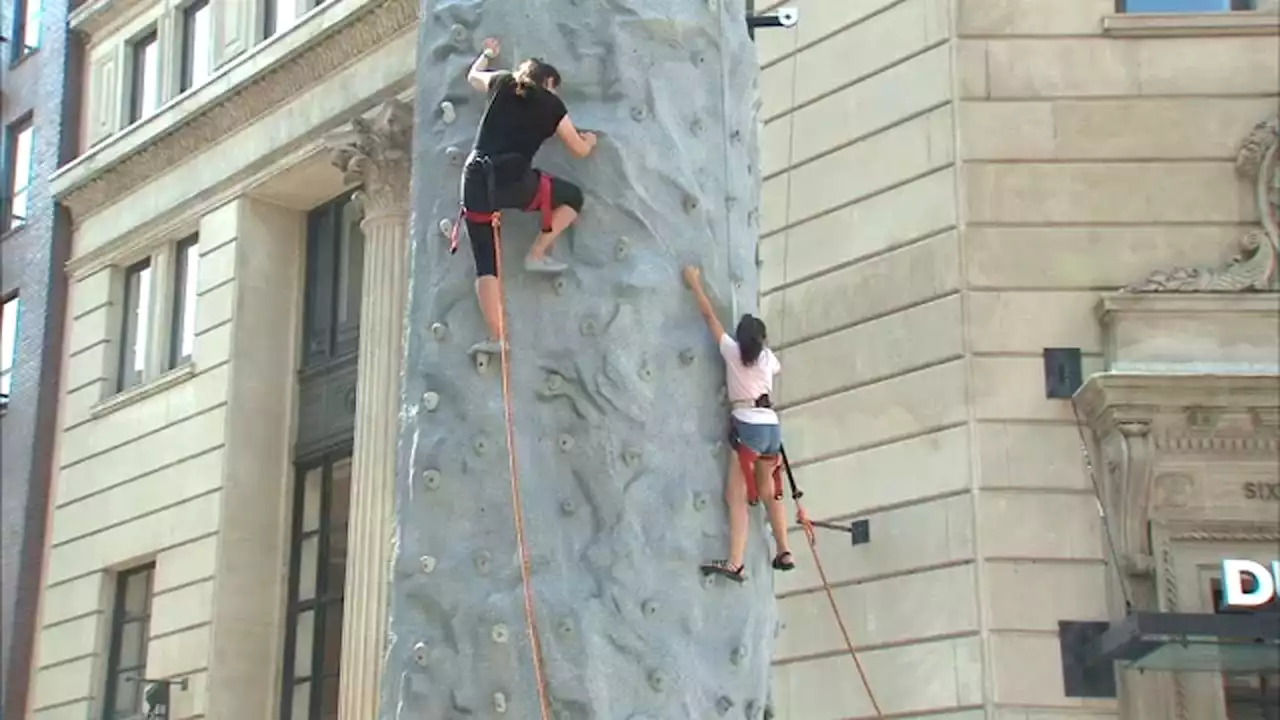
{"x": 1248, "y": 584}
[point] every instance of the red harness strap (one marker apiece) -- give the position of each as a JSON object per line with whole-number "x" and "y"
{"x": 747, "y": 461}
{"x": 541, "y": 203}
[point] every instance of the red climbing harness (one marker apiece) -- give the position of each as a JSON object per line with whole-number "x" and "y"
{"x": 541, "y": 203}
{"x": 747, "y": 459}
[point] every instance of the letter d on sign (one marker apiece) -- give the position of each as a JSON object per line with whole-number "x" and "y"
{"x": 1233, "y": 585}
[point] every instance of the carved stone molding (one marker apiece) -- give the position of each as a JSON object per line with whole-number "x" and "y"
{"x": 1253, "y": 268}
{"x": 365, "y": 33}
{"x": 376, "y": 153}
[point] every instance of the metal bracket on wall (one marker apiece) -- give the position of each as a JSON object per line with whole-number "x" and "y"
{"x": 786, "y": 17}
{"x": 859, "y": 530}
{"x": 157, "y": 696}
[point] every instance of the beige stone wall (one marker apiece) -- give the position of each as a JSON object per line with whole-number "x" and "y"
{"x": 949, "y": 187}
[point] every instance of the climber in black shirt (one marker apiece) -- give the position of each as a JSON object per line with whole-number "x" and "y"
{"x": 524, "y": 110}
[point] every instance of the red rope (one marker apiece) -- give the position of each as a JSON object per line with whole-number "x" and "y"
{"x": 531, "y": 621}
{"x": 803, "y": 518}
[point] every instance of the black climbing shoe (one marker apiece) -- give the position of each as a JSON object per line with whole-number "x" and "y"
{"x": 784, "y": 562}
{"x": 722, "y": 567}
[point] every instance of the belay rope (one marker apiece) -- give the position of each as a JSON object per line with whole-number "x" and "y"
{"x": 812, "y": 539}
{"x": 531, "y": 621}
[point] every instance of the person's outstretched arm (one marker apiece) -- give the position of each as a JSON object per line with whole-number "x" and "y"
{"x": 479, "y": 75}
{"x": 693, "y": 278}
{"x": 579, "y": 144}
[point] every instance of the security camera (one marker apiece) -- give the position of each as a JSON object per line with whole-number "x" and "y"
{"x": 789, "y": 16}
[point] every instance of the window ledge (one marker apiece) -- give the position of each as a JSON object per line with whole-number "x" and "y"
{"x": 174, "y": 377}
{"x": 1191, "y": 24}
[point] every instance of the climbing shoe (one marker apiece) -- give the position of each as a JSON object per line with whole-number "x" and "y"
{"x": 488, "y": 347}
{"x": 544, "y": 265}
{"x": 722, "y": 567}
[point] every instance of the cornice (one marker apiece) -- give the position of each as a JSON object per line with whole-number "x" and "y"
{"x": 1234, "y": 303}
{"x": 365, "y": 32}
{"x": 1139, "y": 397}
{"x": 96, "y": 16}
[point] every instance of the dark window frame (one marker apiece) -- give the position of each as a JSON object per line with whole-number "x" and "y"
{"x": 324, "y": 599}
{"x": 1122, "y": 6}
{"x": 119, "y": 619}
{"x": 19, "y": 50}
{"x": 137, "y": 70}
{"x": 269, "y": 28}
{"x": 325, "y": 338}
{"x": 186, "y": 77}
{"x": 178, "y": 308}
{"x": 11, "y": 133}
{"x": 126, "y": 354}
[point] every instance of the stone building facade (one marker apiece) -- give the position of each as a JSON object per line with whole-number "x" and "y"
{"x": 38, "y": 64}
{"x": 952, "y": 186}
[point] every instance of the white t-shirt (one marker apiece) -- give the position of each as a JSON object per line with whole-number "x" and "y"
{"x": 748, "y": 382}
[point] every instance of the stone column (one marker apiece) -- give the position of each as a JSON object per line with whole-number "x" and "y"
{"x": 375, "y": 152}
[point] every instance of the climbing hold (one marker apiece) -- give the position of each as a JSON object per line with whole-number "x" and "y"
{"x": 687, "y": 356}
{"x": 708, "y": 581}
{"x": 730, "y": 202}
{"x": 480, "y": 445}
{"x": 768, "y": 712}
{"x": 658, "y": 680}
{"x": 430, "y": 400}
{"x": 458, "y": 34}
{"x": 428, "y": 563}
{"x": 690, "y": 203}
{"x": 448, "y": 113}
{"x": 736, "y": 136}
{"x": 439, "y": 331}
{"x": 445, "y": 226}
{"x": 431, "y": 479}
{"x": 568, "y": 507}
{"x": 499, "y": 633}
{"x": 565, "y": 442}
{"x": 724, "y": 705}
{"x": 637, "y": 113}
{"x": 645, "y": 373}
{"x": 555, "y": 382}
{"x": 717, "y": 448}
{"x": 753, "y": 217}
{"x": 713, "y": 4}
{"x": 499, "y": 703}
{"x": 631, "y": 457}
{"x": 482, "y": 560}
{"x": 588, "y": 327}
{"x": 454, "y": 154}
{"x": 738, "y": 655}
{"x": 649, "y": 608}
{"x": 559, "y": 285}
{"x": 696, "y": 126}
{"x": 565, "y": 626}
{"x": 700, "y": 502}
{"x": 420, "y": 653}
{"x": 622, "y": 248}
{"x": 481, "y": 360}
{"x": 751, "y": 710}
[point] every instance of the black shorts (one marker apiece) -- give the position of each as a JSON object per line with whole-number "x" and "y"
{"x": 514, "y": 188}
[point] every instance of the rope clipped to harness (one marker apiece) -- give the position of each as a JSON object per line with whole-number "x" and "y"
{"x": 803, "y": 519}
{"x": 541, "y": 203}
{"x": 526, "y": 569}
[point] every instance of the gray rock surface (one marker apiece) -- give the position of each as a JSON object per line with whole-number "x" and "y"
{"x": 617, "y": 388}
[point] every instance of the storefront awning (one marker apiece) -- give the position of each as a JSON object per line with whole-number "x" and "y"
{"x": 1171, "y": 642}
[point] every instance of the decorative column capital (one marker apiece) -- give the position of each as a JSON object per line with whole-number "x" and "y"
{"x": 376, "y": 152}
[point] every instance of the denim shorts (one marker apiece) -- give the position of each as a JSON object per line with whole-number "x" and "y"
{"x": 762, "y": 439}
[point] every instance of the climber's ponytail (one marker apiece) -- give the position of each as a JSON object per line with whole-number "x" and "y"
{"x": 535, "y": 73}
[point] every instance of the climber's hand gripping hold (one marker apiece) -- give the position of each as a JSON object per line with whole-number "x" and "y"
{"x": 755, "y": 433}
{"x": 524, "y": 110}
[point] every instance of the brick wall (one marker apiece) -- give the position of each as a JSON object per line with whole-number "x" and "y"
{"x": 31, "y": 260}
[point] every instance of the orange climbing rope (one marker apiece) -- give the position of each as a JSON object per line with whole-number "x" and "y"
{"x": 531, "y": 622}
{"x": 803, "y": 518}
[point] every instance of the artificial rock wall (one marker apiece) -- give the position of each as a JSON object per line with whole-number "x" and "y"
{"x": 617, "y": 389}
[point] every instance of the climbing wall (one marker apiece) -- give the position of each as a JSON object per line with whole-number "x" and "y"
{"x": 617, "y": 388}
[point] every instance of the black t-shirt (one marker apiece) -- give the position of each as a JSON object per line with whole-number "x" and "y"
{"x": 515, "y": 124}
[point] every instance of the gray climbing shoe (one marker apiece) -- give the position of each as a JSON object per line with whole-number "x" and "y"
{"x": 544, "y": 265}
{"x": 488, "y": 347}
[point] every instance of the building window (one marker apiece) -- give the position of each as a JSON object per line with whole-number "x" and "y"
{"x": 335, "y": 269}
{"x": 1248, "y": 696}
{"x": 26, "y": 28}
{"x": 197, "y": 44}
{"x": 144, "y": 84}
{"x": 1185, "y": 6}
{"x": 130, "y": 631}
{"x": 317, "y": 571}
{"x": 186, "y": 274}
{"x": 136, "y": 321}
{"x": 8, "y": 346}
{"x": 19, "y": 141}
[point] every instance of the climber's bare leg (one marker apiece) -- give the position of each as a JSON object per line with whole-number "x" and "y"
{"x": 561, "y": 218}
{"x": 735, "y": 498}
{"x": 772, "y": 505}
